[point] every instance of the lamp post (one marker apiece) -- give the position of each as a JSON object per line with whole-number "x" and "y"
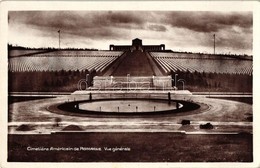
{"x": 214, "y": 36}
{"x": 175, "y": 79}
{"x": 182, "y": 81}
{"x": 59, "y": 38}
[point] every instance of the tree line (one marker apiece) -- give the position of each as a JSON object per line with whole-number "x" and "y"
{"x": 12, "y": 47}
{"x": 215, "y": 82}
{"x": 47, "y": 81}
{"x": 67, "y": 81}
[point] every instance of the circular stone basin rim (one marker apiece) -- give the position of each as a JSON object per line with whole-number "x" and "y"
{"x": 74, "y": 107}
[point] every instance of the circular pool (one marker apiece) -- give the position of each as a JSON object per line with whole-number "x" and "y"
{"x": 129, "y": 106}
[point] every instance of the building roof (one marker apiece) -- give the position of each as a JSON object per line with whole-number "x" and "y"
{"x": 137, "y": 39}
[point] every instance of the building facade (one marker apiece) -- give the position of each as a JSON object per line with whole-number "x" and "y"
{"x": 137, "y": 45}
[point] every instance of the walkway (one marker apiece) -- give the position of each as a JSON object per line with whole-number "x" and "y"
{"x": 135, "y": 63}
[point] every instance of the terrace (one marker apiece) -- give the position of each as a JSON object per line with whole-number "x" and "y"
{"x": 202, "y": 63}
{"x": 64, "y": 60}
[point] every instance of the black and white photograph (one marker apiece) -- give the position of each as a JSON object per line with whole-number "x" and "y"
{"x": 110, "y": 85}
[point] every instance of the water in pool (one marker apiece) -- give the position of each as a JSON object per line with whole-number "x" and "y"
{"x": 128, "y": 106}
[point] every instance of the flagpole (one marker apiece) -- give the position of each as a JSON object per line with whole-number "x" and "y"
{"x": 214, "y": 43}
{"x": 59, "y": 38}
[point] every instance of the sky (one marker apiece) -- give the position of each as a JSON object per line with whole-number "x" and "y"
{"x": 190, "y": 31}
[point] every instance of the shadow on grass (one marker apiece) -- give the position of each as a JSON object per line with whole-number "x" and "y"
{"x": 142, "y": 147}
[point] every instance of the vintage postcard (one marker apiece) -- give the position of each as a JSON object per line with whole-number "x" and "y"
{"x": 127, "y": 83}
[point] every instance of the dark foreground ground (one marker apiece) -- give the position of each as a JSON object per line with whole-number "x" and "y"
{"x": 130, "y": 147}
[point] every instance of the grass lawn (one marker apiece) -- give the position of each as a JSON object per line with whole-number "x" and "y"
{"x": 136, "y": 147}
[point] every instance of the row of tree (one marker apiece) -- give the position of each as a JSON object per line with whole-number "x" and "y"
{"x": 68, "y": 81}
{"x": 12, "y": 47}
{"x": 49, "y": 81}
{"x": 214, "y": 81}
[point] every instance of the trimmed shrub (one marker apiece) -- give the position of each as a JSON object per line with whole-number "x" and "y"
{"x": 185, "y": 122}
{"x": 25, "y": 127}
{"x": 72, "y": 128}
{"x": 206, "y": 126}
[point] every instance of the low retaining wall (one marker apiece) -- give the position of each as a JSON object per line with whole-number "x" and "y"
{"x": 103, "y": 82}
